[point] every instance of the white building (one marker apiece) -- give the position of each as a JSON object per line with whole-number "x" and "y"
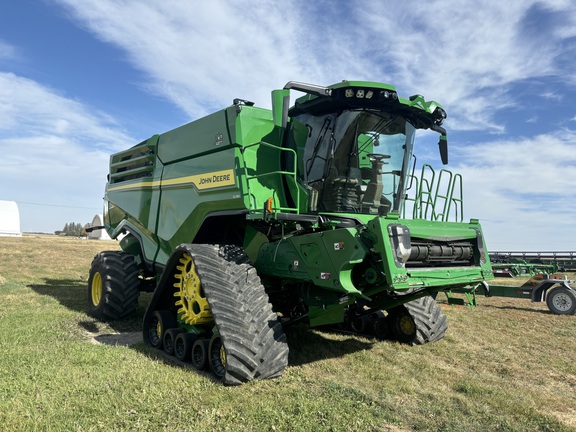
{"x": 9, "y": 219}
{"x": 99, "y": 234}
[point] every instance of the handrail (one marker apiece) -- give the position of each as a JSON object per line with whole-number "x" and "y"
{"x": 253, "y": 205}
{"x": 436, "y": 198}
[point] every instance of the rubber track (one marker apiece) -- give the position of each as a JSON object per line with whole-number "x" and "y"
{"x": 255, "y": 343}
{"x": 431, "y": 323}
{"x": 121, "y": 286}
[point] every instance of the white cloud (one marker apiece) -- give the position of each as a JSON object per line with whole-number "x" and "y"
{"x": 201, "y": 55}
{"x": 27, "y": 108}
{"x": 54, "y": 151}
{"x": 524, "y": 192}
{"x": 466, "y": 55}
{"x": 552, "y": 95}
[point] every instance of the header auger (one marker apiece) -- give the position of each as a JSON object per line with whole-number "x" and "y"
{"x": 248, "y": 220}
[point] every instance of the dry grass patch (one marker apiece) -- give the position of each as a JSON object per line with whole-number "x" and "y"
{"x": 508, "y": 365}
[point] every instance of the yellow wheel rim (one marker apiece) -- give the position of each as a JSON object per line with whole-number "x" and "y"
{"x": 96, "y": 289}
{"x": 407, "y": 325}
{"x": 192, "y": 303}
{"x": 222, "y": 355}
{"x": 159, "y": 329}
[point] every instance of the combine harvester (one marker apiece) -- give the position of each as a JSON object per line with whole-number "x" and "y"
{"x": 248, "y": 220}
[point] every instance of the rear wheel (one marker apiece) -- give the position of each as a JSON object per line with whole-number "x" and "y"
{"x": 361, "y": 325}
{"x": 561, "y": 301}
{"x": 113, "y": 286}
{"x": 418, "y": 322}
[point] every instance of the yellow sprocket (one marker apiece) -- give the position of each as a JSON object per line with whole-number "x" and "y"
{"x": 193, "y": 306}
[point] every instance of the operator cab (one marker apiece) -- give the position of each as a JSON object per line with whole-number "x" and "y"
{"x": 354, "y": 142}
{"x": 357, "y": 161}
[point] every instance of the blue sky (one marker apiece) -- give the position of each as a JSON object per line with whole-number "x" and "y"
{"x": 82, "y": 79}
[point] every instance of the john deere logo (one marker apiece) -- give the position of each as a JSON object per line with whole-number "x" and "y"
{"x": 214, "y": 179}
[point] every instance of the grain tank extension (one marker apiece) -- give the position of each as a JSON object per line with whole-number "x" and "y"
{"x": 248, "y": 220}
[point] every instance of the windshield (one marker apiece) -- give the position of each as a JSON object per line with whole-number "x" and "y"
{"x": 358, "y": 161}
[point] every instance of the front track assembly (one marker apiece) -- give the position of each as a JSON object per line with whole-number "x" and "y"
{"x": 211, "y": 310}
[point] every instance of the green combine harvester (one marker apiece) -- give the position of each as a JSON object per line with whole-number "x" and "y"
{"x": 248, "y": 220}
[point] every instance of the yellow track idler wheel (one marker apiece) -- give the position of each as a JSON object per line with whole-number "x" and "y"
{"x": 192, "y": 303}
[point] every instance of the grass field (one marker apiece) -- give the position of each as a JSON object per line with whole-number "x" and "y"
{"x": 509, "y": 365}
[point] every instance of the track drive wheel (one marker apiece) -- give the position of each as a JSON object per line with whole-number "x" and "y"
{"x": 417, "y": 322}
{"x": 113, "y": 286}
{"x": 251, "y": 343}
{"x": 561, "y": 301}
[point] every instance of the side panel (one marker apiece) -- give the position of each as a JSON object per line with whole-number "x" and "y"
{"x": 191, "y": 190}
{"x": 206, "y": 166}
{"x": 199, "y": 177}
{"x": 204, "y": 135}
{"x": 133, "y": 194}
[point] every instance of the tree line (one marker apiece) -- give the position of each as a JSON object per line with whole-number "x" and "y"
{"x": 73, "y": 229}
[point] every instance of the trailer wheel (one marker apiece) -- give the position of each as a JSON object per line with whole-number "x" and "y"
{"x": 417, "y": 322}
{"x": 561, "y": 301}
{"x": 113, "y": 286}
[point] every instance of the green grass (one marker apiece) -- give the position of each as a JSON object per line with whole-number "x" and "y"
{"x": 508, "y": 365}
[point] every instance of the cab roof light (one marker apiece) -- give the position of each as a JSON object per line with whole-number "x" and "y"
{"x": 388, "y": 94}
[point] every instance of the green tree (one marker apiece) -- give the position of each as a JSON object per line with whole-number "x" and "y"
{"x": 73, "y": 229}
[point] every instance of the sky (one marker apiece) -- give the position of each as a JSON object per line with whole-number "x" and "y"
{"x": 80, "y": 80}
